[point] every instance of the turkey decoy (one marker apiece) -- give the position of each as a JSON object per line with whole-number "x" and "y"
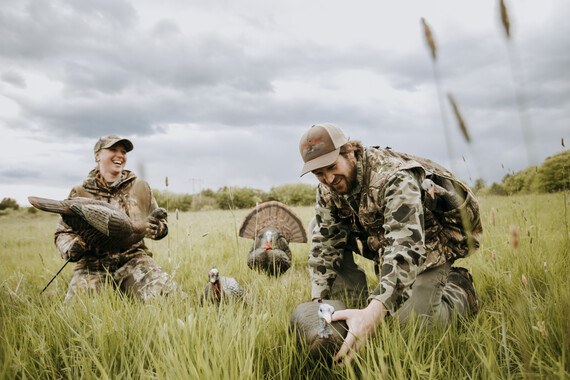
{"x": 272, "y": 226}
{"x": 311, "y": 321}
{"x": 220, "y": 287}
{"x": 101, "y": 225}
{"x": 444, "y": 197}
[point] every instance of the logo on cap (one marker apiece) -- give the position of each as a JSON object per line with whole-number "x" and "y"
{"x": 312, "y": 146}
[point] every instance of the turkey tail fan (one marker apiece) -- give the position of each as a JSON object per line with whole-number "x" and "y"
{"x": 277, "y": 215}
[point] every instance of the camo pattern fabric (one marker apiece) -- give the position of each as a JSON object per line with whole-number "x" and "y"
{"x": 385, "y": 219}
{"x": 141, "y": 277}
{"x": 135, "y": 198}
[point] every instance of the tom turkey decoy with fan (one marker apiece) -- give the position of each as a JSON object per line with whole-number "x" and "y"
{"x": 272, "y": 226}
{"x": 101, "y": 225}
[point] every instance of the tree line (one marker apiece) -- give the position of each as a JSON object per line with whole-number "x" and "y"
{"x": 551, "y": 176}
{"x": 226, "y": 198}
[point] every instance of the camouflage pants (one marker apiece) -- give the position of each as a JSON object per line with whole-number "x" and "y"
{"x": 433, "y": 299}
{"x": 140, "y": 277}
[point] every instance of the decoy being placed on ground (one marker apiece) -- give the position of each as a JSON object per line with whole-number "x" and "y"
{"x": 272, "y": 226}
{"x": 101, "y": 225}
{"x": 311, "y": 321}
{"x": 220, "y": 287}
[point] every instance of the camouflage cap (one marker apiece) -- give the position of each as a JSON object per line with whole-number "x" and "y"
{"x": 320, "y": 146}
{"x": 108, "y": 141}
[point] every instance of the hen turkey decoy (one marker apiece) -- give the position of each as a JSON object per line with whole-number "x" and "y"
{"x": 272, "y": 226}
{"x": 311, "y": 321}
{"x": 220, "y": 287}
{"x": 101, "y": 225}
{"x": 444, "y": 197}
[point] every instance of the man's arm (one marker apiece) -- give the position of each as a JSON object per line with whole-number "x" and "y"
{"x": 327, "y": 246}
{"x": 404, "y": 229}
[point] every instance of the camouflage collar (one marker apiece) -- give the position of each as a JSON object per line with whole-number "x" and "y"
{"x": 95, "y": 181}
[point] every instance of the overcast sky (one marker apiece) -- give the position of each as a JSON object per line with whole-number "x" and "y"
{"x": 218, "y": 93}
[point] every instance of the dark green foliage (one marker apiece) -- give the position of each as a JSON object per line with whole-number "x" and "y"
{"x": 553, "y": 174}
{"x": 239, "y": 197}
{"x": 496, "y": 189}
{"x": 172, "y": 201}
{"x": 480, "y": 184}
{"x": 9, "y": 203}
{"x": 523, "y": 181}
{"x": 298, "y": 194}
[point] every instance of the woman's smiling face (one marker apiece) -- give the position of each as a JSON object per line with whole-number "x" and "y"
{"x": 112, "y": 161}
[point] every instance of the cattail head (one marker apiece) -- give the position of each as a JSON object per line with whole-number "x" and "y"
{"x": 460, "y": 120}
{"x": 540, "y": 326}
{"x": 514, "y": 236}
{"x": 562, "y": 142}
{"x": 429, "y": 39}
{"x": 166, "y": 181}
{"x": 493, "y": 216}
{"x": 505, "y": 19}
{"x": 176, "y": 213}
{"x": 494, "y": 255}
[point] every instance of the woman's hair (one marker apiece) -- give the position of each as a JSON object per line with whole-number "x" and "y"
{"x": 353, "y": 146}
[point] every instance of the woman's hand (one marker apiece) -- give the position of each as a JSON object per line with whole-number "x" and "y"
{"x": 362, "y": 323}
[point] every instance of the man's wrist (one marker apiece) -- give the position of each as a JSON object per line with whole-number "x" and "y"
{"x": 377, "y": 310}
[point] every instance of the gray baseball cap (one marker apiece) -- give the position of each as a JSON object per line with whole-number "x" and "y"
{"x": 320, "y": 146}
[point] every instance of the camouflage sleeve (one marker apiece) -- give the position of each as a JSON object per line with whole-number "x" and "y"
{"x": 404, "y": 230}
{"x": 327, "y": 246}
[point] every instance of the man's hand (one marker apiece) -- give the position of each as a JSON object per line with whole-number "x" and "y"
{"x": 77, "y": 250}
{"x": 362, "y": 323}
{"x": 156, "y": 228}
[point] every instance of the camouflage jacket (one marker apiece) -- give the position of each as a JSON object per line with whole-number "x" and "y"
{"x": 385, "y": 218}
{"x": 131, "y": 195}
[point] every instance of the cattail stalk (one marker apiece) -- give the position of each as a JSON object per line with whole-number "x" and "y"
{"x": 460, "y": 120}
{"x": 433, "y": 49}
{"x": 514, "y": 236}
{"x": 524, "y": 119}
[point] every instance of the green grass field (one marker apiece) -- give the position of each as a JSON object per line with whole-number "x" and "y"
{"x": 521, "y": 331}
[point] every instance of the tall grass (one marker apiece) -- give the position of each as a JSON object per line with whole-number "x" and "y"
{"x": 521, "y": 330}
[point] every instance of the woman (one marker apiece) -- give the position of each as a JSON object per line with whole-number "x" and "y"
{"x": 132, "y": 270}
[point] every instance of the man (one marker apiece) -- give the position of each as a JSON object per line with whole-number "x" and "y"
{"x": 408, "y": 214}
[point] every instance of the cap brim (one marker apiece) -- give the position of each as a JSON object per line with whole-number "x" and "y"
{"x": 320, "y": 162}
{"x": 127, "y": 143}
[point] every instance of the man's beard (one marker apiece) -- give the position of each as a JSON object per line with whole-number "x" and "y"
{"x": 350, "y": 180}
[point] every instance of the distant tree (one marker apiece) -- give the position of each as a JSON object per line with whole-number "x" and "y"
{"x": 298, "y": 194}
{"x": 172, "y": 201}
{"x": 554, "y": 173}
{"x": 520, "y": 182}
{"x": 479, "y": 185}
{"x": 204, "y": 201}
{"x": 239, "y": 197}
{"x": 496, "y": 189}
{"x": 9, "y": 203}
